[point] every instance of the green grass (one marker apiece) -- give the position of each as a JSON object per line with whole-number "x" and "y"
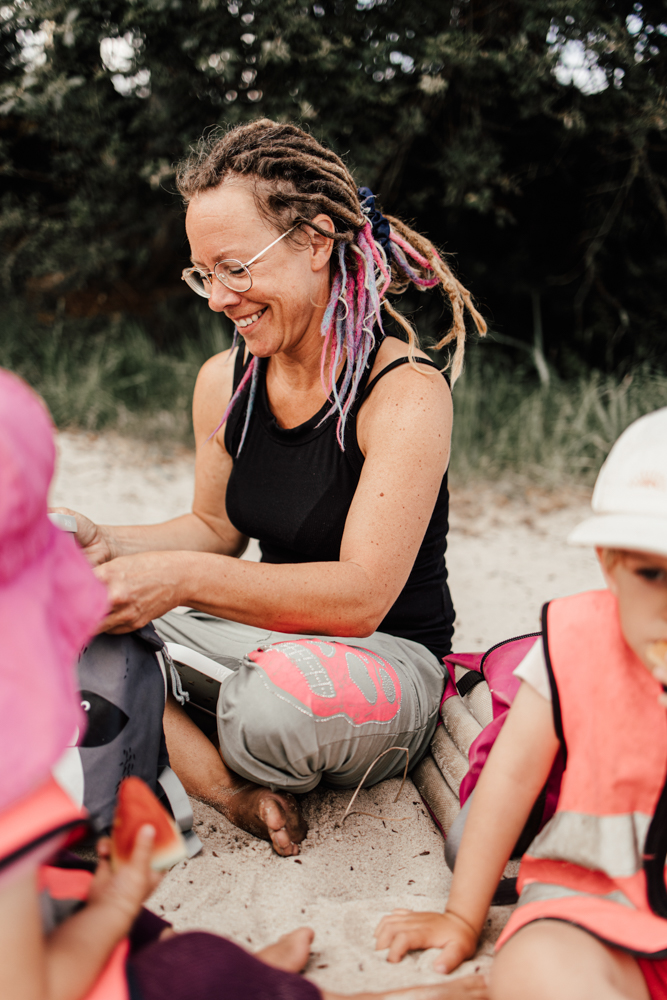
{"x": 505, "y": 423}
{"x": 556, "y": 434}
{"x": 114, "y": 377}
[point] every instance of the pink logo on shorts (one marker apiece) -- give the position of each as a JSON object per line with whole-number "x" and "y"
{"x": 333, "y": 679}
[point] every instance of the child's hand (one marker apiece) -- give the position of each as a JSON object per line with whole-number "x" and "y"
{"x": 125, "y": 889}
{"x": 404, "y": 931}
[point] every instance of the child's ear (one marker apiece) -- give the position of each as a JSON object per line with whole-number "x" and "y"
{"x": 608, "y": 560}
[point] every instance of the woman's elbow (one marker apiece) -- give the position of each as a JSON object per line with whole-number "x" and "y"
{"x": 362, "y": 621}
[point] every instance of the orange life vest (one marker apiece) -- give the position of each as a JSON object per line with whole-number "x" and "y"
{"x": 599, "y": 862}
{"x": 39, "y": 825}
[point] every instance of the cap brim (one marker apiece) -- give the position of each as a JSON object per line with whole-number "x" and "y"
{"x": 636, "y": 533}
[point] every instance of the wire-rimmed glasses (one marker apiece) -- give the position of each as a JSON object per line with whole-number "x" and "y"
{"x": 232, "y": 273}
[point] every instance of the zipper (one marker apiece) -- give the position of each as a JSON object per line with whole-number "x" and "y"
{"x": 516, "y": 638}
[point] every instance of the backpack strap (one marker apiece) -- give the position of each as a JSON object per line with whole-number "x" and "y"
{"x": 469, "y": 681}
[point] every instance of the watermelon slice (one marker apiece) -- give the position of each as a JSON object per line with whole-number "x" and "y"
{"x": 137, "y": 806}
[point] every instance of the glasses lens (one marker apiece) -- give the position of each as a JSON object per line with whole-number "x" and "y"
{"x": 202, "y": 286}
{"x": 234, "y": 274}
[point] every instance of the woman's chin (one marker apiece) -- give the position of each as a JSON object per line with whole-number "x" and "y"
{"x": 261, "y": 343}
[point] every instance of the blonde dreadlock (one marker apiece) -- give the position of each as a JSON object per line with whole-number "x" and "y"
{"x": 295, "y": 173}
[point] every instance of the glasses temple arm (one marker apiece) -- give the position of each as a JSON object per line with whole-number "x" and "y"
{"x": 281, "y": 237}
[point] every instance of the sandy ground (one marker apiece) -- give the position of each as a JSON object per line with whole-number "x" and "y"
{"x": 506, "y": 557}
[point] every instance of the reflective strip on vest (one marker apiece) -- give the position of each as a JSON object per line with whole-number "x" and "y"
{"x": 538, "y": 892}
{"x": 610, "y": 844}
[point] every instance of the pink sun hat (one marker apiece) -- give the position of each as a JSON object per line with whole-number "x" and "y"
{"x": 50, "y": 601}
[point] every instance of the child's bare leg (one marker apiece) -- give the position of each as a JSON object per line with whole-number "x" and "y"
{"x": 290, "y": 952}
{"x": 552, "y": 960}
{"x": 466, "y": 988}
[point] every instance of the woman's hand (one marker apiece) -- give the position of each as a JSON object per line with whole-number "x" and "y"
{"x": 124, "y": 890}
{"x": 92, "y": 538}
{"x": 140, "y": 588}
{"x": 403, "y": 931}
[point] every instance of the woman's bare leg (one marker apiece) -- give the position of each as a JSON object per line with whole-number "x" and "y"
{"x": 552, "y": 960}
{"x": 273, "y": 816}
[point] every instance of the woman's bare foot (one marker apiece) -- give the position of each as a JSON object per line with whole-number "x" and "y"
{"x": 466, "y": 988}
{"x": 272, "y": 816}
{"x": 290, "y": 952}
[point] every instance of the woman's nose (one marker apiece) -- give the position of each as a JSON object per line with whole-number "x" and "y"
{"x": 222, "y": 297}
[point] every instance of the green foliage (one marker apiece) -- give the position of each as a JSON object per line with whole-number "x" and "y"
{"x": 94, "y": 377}
{"x": 453, "y": 111}
{"x": 555, "y": 434}
{"x": 91, "y": 377}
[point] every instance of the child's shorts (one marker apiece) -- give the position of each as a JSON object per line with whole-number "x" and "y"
{"x": 654, "y": 972}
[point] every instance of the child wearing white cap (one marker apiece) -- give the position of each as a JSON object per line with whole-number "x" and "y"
{"x": 592, "y": 914}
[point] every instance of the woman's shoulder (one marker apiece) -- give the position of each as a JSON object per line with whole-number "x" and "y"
{"x": 413, "y": 396}
{"x": 401, "y": 377}
{"x": 213, "y": 389}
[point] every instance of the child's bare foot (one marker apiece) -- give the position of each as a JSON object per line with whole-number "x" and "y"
{"x": 466, "y": 988}
{"x": 290, "y": 952}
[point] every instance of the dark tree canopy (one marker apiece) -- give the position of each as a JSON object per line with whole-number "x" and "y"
{"x": 525, "y": 136}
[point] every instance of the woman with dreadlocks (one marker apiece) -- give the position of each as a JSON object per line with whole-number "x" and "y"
{"x": 327, "y": 441}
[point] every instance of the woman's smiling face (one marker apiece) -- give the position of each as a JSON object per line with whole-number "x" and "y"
{"x": 290, "y": 286}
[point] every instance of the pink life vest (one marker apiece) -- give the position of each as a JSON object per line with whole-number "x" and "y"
{"x": 37, "y": 826}
{"x": 599, "y": 862}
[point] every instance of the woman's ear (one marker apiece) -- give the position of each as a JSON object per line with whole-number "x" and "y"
{"x": 321, "y": 248}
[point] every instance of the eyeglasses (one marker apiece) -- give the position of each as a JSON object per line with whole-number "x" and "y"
{"x": 232, "y": 273}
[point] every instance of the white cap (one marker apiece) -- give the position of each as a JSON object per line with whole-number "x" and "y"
{"x": 630, "y": 496}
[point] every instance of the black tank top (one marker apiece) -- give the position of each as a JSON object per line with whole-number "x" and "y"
{"x": 291, "y": 488}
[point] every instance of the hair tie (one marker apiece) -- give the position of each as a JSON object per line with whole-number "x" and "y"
{"x": 379, "y": 225}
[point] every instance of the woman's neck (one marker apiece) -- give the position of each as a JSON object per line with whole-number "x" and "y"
{"x": 294, "y": 383}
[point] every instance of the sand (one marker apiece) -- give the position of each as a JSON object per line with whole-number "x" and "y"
{"x": 506, "y": 557}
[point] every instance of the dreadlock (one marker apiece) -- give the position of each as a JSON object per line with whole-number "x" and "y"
{"x": 296, "y": 179}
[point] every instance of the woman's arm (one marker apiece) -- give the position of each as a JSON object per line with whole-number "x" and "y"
{"x": 207, "y": 528}
{"x": 512, "y": 778}
{"x": 404, "y": 431}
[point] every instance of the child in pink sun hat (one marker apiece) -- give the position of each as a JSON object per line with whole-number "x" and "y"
{"x": 108, "y": 947}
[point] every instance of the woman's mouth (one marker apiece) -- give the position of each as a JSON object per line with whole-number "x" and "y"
{"x": 249, "y": 320}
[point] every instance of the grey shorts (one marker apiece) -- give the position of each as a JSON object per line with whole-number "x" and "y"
{"x": 301, "y": 708}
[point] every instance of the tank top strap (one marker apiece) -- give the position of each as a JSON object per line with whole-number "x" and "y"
{"x": 396, "y": 363}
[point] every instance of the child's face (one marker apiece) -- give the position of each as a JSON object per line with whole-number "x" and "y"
{"x": 639, "y": 582}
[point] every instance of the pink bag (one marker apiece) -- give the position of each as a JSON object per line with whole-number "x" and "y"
{"x": 471, "y": 718}
{"x": 496, "y": 667}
